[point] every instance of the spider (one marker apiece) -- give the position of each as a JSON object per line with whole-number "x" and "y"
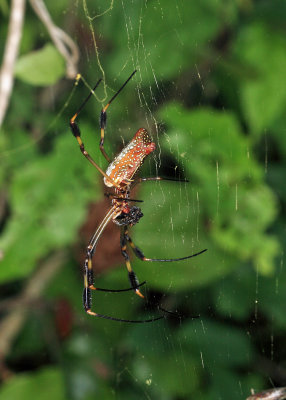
{"x": 120, "y": 177}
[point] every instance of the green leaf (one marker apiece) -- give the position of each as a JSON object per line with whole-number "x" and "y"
{"x": 43, "y": 67}
{"x": 204, "y": 338}
{"x": 46, "y": 384}
{"x": 171, "y": 229}
{"x": 154, "y": 368}
{"x": 226, "y": 189}
{"x": 48, "y": 198}
{"x": 162, "y": 43}
{"x": 263, "y": 92}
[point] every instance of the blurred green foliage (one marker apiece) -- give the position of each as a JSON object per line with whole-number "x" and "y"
{"x": 39, "y": 62}
{"x": 211, "y": 89}
{"x": 27, "y": 385}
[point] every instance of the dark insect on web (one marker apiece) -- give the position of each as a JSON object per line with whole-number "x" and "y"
{"x": 119, "y": 176}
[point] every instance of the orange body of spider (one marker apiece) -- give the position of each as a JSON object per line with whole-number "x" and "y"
{"x": 122, "y": 169}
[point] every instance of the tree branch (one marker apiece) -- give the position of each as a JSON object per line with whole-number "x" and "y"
{"x": 10, "y": 54}
{"x": 13, "y": 321}
{"x": 63, "y": 42}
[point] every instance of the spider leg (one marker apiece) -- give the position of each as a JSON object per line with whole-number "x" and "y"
{"x": 103, "y": 118}
{"x": 131, "y": 274}
{"x": 88, "y": 277}
{"x": 126, "y": 238}
{"x": 156, "y": 178}
{"x": 138, "y": 253}
{"x": 77, "y": 134}
{"x": 140, "y": 180}
{"x": 111, "y": 195}
{"x": 88, "y": 270}
{"x": 132, "y": 321}
{"x": 117, "y": 290}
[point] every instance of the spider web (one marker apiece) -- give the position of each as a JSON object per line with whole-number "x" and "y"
{"x": 180, "y": 225}
{"x": 192, "y": 92}
{"x": 148, "y": 99}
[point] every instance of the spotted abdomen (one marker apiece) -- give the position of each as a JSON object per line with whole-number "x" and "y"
{"x": 125, "y": 165}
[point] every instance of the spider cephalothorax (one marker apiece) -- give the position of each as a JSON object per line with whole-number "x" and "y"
{"x": 120, "y": 177}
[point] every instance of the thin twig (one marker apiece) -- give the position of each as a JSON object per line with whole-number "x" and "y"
{"x": 65, "y": 45}
{"x": 10, "y": 54}
{"x": 13, "y": 321}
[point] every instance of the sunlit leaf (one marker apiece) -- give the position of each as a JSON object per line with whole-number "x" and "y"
{"x": 43, "y": 67}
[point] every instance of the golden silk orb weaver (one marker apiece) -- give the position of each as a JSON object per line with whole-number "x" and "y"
{"x": 120, "y": 177}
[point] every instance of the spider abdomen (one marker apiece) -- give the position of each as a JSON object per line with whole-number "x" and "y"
{"x": 126, "y": 164}
{"x": 131, "y": 218}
